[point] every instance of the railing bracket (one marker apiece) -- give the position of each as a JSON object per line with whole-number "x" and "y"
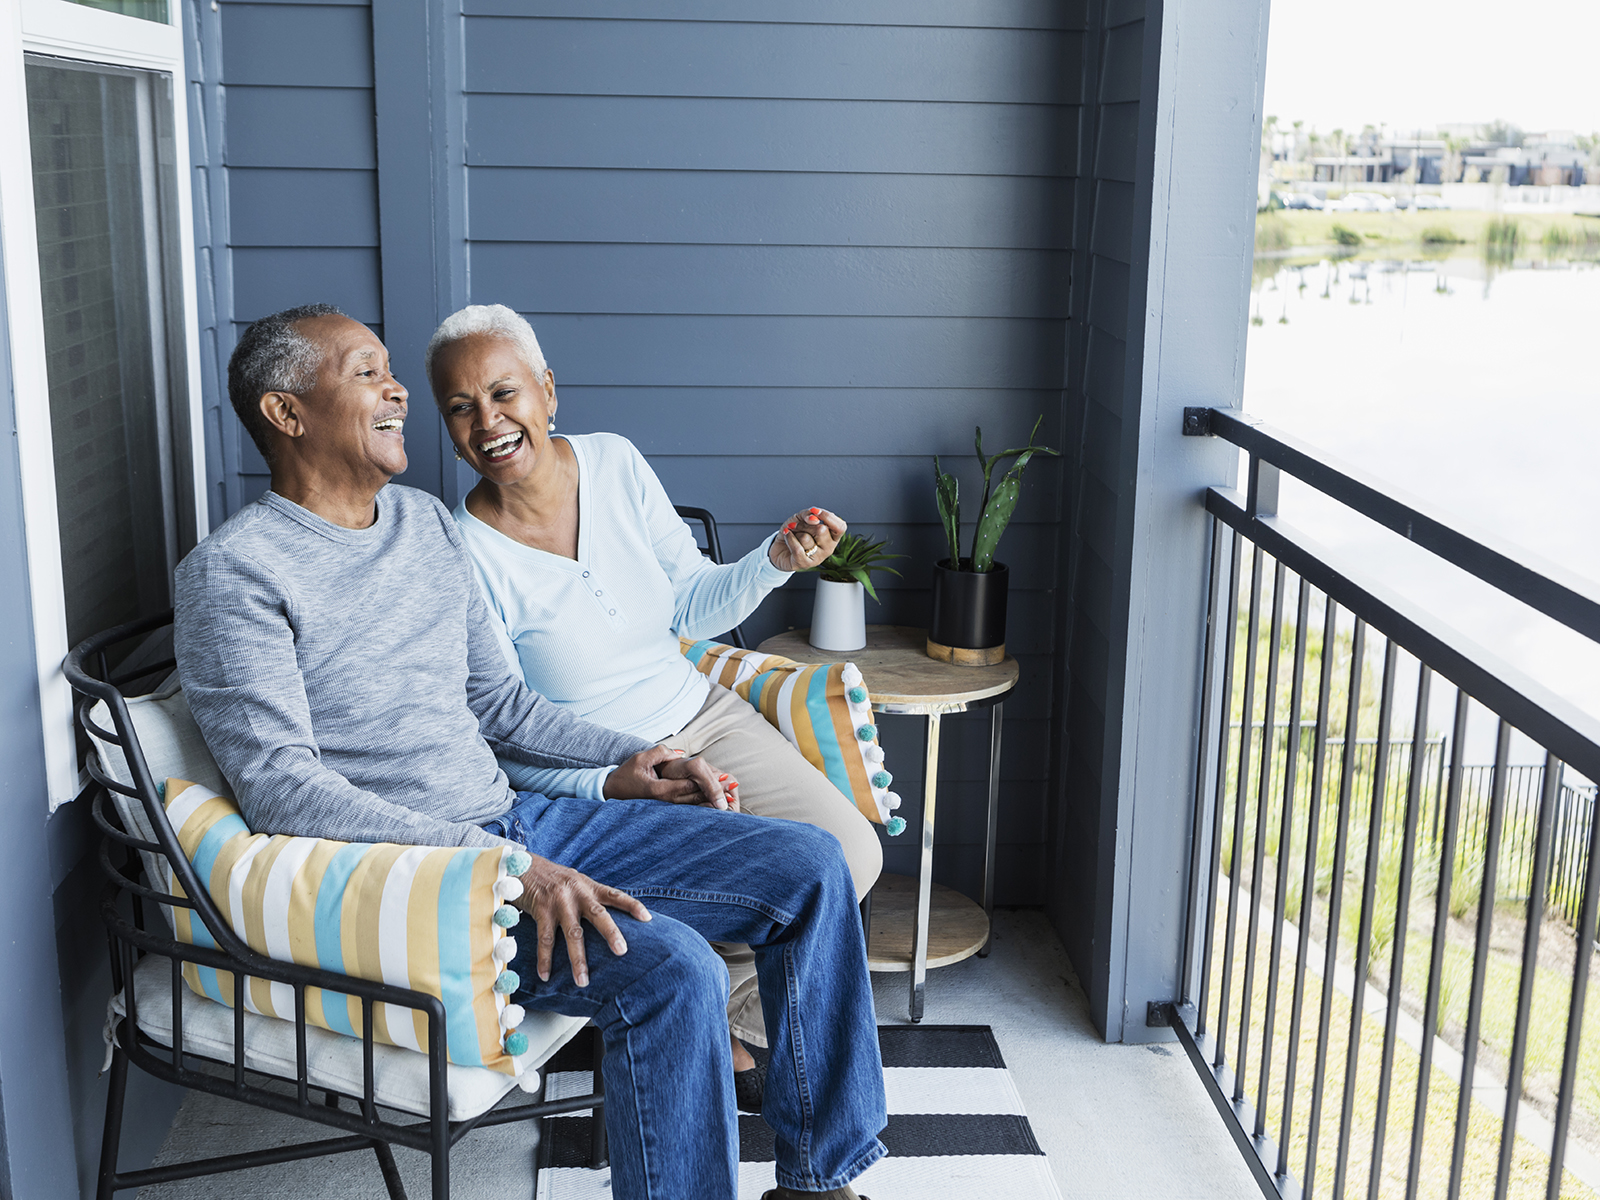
{"x": 1158, "y": 1014}
{"x": 1197, "y": 422}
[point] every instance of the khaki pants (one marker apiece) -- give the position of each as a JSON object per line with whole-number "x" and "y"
{"x": 774, "y": 781}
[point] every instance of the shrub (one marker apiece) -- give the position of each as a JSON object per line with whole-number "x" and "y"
{"x": 1270, "y": 233}
{"x": 1501, "y": 233}
{"x": 1345, "y": 236}
{"x": 1440, "y": 235}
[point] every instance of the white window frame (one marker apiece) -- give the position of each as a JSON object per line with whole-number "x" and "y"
{"x": 73, "y": 31}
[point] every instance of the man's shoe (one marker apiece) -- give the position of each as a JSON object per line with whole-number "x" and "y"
{"x": 749, "y": 1086}
{"x": 842, "y": 1193}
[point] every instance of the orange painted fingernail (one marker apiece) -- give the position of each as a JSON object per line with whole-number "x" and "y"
{"x": 816, "y": 510}
{"x": 720, "y": 778}
{"x": 789, "y": 528}
{"x": 731, "y": 786}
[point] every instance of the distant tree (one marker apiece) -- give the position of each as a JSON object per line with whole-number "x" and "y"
{"x": 1502, "y": 133}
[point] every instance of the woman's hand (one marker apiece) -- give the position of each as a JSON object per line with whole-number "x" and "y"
{"x": 714, "y": 788}
{"x": 806, "y": 539}
{"x": 559, "y": 898}
{"x": 660, "y": 773}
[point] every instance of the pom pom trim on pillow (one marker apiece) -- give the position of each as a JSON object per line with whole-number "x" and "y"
{"x": 427, "y": 918}
{"x": 823, "y": 709}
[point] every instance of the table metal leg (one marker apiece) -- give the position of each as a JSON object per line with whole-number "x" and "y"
{"x": 996, "y": 719}
{"x": 919, "y": 937}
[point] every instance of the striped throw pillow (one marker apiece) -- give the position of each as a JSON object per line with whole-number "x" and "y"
{"x": 824, "y": 711}
{"x": 431, "y": 919}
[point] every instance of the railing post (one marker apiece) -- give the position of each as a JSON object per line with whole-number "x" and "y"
{"x": 1262, "y": 500}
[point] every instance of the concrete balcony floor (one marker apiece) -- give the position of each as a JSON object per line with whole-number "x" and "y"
{"x": 1116, "y": 1121}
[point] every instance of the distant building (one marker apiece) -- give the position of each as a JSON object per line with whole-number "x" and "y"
{"x": 1384, "y": 162}
{"x": 1543, "y": 159}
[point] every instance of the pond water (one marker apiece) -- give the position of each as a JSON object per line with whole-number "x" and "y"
{"x": 1474, "y": 387}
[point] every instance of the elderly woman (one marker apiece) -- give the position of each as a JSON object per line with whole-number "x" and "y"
{"x": 582, "y": 557}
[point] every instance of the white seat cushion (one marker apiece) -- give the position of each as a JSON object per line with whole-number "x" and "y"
{"x": 333, "y": 1061}
{"x": 173, "y": 749}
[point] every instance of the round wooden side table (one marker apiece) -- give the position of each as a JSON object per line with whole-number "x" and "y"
{"x": 918, "y": 925}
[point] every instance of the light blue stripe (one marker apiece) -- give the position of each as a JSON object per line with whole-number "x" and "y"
{"x": 455, "y": 959}
{"x": 697, "y": 651}
{"x": 327, "y": 926}
{"x": 199, "y": 935}
{"x": 205, "y": 860}
{"x": 757, "y": 686}
{"x": 205, "y": 855}
{"x": 833, "y": 765}
{"x": 211, "y": 985}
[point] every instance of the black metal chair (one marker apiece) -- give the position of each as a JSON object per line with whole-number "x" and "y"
{"x": 712, "y": 549}
{"x": 137, "y": 930}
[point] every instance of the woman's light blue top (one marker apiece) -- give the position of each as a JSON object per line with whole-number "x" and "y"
{"x": 599, "y": 634}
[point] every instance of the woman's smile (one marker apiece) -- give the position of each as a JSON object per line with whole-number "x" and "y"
{"x": 498, "y": 449}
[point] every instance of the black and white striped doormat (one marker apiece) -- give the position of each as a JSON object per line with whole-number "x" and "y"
{"x": 956, "y": 1127}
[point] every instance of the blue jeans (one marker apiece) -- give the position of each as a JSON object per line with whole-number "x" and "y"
{"x": 781, "y": 888}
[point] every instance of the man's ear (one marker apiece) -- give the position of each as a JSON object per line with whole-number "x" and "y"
{"x": 282, "y": 412}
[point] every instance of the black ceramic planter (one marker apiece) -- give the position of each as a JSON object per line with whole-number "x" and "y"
{"x": 969, "y": 615}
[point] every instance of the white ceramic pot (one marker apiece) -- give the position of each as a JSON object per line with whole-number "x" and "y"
{"x": 839, "y": 620}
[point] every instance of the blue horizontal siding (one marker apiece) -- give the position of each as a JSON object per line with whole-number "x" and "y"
{"x": 768, "y": 207}
{"x": 676, "y": 133}
{"x": 285, "y": 207}
{"x": 301, "y": 127}
{"x": 1028, "y": 548}
{"x": 771, "y": 280}
{"x": 837, "y": 420}
{"x": 313, "y": 45}
{"x": 813, "y": 62}
{"x": 267, "y": 280}
{"x": 1009, "y": 14}
{"x": 732, "y": 351}
{"x": 880, "y": 490}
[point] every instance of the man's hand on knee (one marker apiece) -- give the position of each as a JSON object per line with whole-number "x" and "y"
{"x": 559, "y": 898}
{"x": 662, "y": 774}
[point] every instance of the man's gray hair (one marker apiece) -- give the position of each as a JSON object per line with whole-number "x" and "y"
{"x": 493, "y": 320}
{"x": 273, "y": 356}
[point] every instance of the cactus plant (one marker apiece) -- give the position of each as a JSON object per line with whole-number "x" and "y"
{"x": 947, "y": 489}
{"x": 999, "y": 501}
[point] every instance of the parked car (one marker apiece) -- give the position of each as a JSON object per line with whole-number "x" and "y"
{"x": 1430, "y": 201}
{"x": 1302, "y": 200}
{"x": 1362, "y": 202}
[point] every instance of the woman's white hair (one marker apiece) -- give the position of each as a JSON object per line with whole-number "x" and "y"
{"x": 494, "y": 320}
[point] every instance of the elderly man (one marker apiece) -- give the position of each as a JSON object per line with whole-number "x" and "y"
{"x": 337, "y": 655}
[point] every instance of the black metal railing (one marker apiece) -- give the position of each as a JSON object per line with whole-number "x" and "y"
{"x": 1574, "y": 808}
{"x": 1371, "y": 988}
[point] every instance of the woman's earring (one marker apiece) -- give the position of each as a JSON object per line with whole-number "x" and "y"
{"x": 458, "y": 454}
{"x": 550, "y": 428}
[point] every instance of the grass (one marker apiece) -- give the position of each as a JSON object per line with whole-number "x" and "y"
{"x": 1556, "y": 235}
{"x": 1547, "y": 1028}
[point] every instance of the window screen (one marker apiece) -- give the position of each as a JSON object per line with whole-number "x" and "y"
{"x": 103, "y": 185}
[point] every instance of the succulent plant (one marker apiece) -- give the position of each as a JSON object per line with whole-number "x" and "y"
{"x": 999, "y": 500}
{"x": 853, "y": 560}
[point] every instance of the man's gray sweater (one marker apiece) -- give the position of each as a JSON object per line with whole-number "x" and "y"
{"x": 348, "y": 683}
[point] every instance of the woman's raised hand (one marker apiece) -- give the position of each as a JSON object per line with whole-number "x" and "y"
{"x": 806, "y": 539}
